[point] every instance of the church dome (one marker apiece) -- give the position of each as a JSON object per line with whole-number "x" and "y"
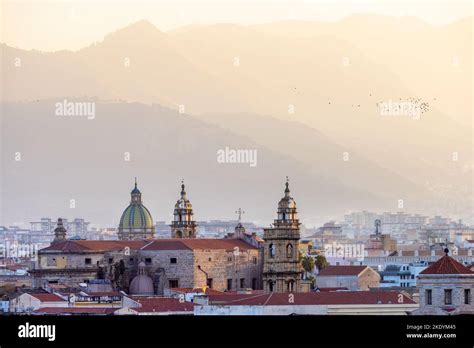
{"x": 141, "y": 284}
{"x": 136, "y": 216}
{"x": 136, "y": 221}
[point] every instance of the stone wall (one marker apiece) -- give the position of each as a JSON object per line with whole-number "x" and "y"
{"x": 437, "y": 284}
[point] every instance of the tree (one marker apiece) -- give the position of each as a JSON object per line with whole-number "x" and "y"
{"x": 308, "y": 264}
{"x": 321, "y": 262}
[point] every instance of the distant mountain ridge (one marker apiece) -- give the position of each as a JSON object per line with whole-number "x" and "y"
{"x": 317, "y": 80}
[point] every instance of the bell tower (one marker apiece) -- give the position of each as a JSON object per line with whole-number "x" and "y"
{"x": 59, "y": 232}
{"x": 282, "y": 269}
{"x": 183, "y": 225}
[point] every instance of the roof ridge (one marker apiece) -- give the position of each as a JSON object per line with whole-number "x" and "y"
{"x": 147, "y": 244}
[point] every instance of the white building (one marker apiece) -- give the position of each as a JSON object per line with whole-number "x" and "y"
{"x": 404, "y": 275}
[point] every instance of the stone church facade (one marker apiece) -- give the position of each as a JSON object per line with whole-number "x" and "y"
{"x": 220, "y": 264}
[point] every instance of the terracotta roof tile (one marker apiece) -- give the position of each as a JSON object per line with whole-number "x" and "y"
{"x": 75, "y": 310}
{"x": 447, "y": 265}
{"x": 195, "y": 290}
{"x": 198, "y": 243}
{"x": 48, "y": 297}
{"x": 314, "y": 298}
{"x": 162, "y": 304}
{"x": 341, "y": 270}
{"x": 94, "y": 245}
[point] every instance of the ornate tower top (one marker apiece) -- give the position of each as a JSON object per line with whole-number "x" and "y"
{"x": 183, "y": 192}
{"x": 183, "y": 202}
{"x": 183, "y": 225}
{"x": 59, "y": 232}
{"x": 136, "y": 194}
{"x": 287, "y": 207}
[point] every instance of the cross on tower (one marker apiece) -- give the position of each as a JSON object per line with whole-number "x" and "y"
{"x": 240, "y": 212}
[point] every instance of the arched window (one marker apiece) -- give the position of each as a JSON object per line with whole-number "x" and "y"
{"x": 271, "y": 250}
{"x": 270, "y": 285}
{"x": 289, "y": 251}
{"x": 290, "y": 285}
{"x": 283, "y": 216}
{"x": 179, "y": 234}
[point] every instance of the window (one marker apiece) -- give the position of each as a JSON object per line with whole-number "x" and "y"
{"x": 111, "y": 260}
{"x": 173, "y": 283}
{"x": 448, "y": 297}
{"x": 242, "y": 283}
{"x": 254, "y": 260}
{"x": 229, "y": 258}
{"x": 148, "y": 261}
{"x": 88, "y": 261}
{"x": 289, "y": 251}
{"x": 412, "y": 276}
{"x": 229, "y": 284}
{"x": 467, "y": 296}
{"x": 290, "y": 285}
{"x": 209, "y": 282}
{"x": 254, "y": 283}
{"x": 429, "y": 299}
{"x": 173, "y": 260}
{"x": 271, "y": 250}
{"x": 130, "y": 260}
{"x": 270, "y": 285}
{"x": 210, "y": 259}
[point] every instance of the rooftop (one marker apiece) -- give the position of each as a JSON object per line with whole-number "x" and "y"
{"x": 48, "y": 297}
{"x": 447, "y": 265}
{"x": 74, "y": 310}
{"x": 71, "y": 246}
{"x": 342, "y": 270}
{"x": 313, "y": 298}
{"x": 94, "y": 245}
{"x": 198, "y": 244}
{"x": 162, "y": 304}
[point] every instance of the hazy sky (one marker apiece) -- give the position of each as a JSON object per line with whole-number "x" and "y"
{"x": 63, "y": 24}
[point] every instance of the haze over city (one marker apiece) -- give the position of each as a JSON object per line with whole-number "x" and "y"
{"x": 175, "y": 83}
